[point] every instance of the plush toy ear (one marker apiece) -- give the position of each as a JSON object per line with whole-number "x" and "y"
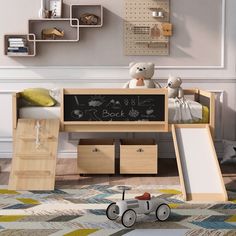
{"x": 179, "y": 79}
{"x": 170, "y": 78}
{"x": 131, "y": 64}
{"x": 151, "y": 64}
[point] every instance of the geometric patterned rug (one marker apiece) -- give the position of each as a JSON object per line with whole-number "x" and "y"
{"x": 81, "y": 212}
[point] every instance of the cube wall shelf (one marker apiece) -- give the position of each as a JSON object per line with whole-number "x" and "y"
{"x": 66, "y": 30}
{"x": 76, "y": 11}
{"x": 71, "y": 33}
{"x": 30, "y": 43}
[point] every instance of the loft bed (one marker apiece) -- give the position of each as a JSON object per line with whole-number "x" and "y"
{"x": 116, "y": 110}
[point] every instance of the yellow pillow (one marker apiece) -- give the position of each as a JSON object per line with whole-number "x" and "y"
{"x": 205, "y": 114}
{"x": 38, "y": 97}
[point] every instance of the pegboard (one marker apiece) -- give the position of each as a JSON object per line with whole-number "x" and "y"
{"x": 140, "y": 10}
{"x": 139, "y": 40}
{"x": 143, "y": 33}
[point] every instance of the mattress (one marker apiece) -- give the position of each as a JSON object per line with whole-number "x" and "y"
{"x": 186, "y": 111}
{"x": 204, "y": 120}
{"x": 40, "y": 112}
{"x": 55, "y": 113}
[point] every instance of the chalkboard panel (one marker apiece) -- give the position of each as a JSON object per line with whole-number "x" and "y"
{"x": 114, "y": 107}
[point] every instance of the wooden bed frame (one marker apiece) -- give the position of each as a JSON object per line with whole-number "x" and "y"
{"x": 24, "y": 174}
{"x": 201, "y": 96}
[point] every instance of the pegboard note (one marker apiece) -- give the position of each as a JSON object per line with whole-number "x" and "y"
{"x": 143, "y": 27}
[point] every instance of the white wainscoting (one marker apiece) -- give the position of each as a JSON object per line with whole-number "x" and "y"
{"x": 68, "y": 142}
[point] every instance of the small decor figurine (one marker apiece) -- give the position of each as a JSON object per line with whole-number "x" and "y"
{"x": 42, "y": 10}
{"x": 48, "y": 14}
{"x": 52, "y": 34}
{"x": 158, "y": 12}
{"x": 141, "y": 73}
{"x": 174, "y": 87}
{"x": 145, "y": 204}
{"x": 56, "y": 7}
{"x": 88, "y": 19}
{"x": 155, "y": 32}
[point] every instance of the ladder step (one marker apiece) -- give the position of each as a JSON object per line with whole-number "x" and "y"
{"x": 35, "y": 152}
{"x": 35, "y": 156}
{"x": 33, "y": 174}
{"x": 30, "y": 139}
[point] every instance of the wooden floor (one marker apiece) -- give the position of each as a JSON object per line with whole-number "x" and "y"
{"x": 67, "y": 176}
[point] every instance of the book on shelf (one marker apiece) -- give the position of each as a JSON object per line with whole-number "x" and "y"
{"x": 17, "y": 44}
{"x": 16, "y": 40}
{"x": 17, "y": 49}
{"x": 17, "y": 53}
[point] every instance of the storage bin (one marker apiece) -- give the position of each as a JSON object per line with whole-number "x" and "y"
{"x": 96, "y": 156}
{"x": 138, "y": 156}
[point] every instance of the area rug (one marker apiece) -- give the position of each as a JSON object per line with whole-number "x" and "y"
{"x": 81, "y": 212}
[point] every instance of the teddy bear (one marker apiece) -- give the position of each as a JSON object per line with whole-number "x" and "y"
{"x": 174, "y": 87}
{"x": 141, "y": 73}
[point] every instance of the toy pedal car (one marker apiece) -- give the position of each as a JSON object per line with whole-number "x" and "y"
{"x": 145, "y": 204}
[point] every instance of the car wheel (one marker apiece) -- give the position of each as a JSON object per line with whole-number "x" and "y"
{"x": 128, "y": 218}
{"x": 163, "y": 212}
{"x": 111, "y": 211}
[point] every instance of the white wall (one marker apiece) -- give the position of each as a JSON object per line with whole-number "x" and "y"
{"x": 195, "y": 41}
{"x": 15, "y": 79}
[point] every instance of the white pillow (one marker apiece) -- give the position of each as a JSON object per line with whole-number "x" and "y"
{"x": 55, "y": 93}
{"x": 229, "y": 151}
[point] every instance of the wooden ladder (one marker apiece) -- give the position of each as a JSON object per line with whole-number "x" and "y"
{"x": 34, "y": 157}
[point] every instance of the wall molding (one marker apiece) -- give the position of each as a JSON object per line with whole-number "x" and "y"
{"x": 220, "y": 66}
{"x": 106, "y": 79}
{"x": 6, "y": 139}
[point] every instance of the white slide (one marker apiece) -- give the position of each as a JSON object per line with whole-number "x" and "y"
{"x": 199, "y": 170}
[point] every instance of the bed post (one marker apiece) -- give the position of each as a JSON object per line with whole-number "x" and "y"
{"x": 211, "y": 105}
{"x": 212, "y": 115}
{"x": 62, "y": 110}
{"x": 15, "y": 97}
